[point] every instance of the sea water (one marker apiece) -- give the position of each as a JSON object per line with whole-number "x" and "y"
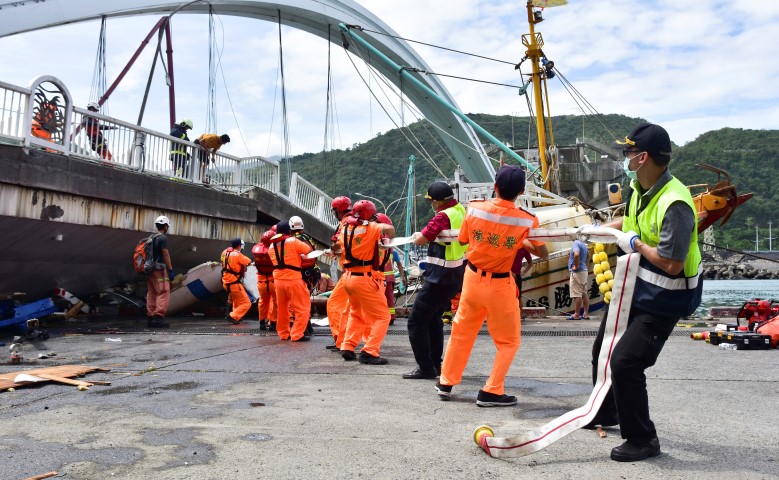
{"x": 735, "y": 293}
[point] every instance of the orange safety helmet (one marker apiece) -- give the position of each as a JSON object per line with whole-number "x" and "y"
{"x": 383, "y": 219}
{"x": 364, "y": 209}
{"x": 342, "y": 204}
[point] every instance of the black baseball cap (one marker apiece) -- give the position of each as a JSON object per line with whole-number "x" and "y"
{"x": 510, "y": 180}
{"x": 283, "y": 227}
{"x": 439, "y": 191}
{"x": 236, "y": 242}
{"x": 647, "y": 137}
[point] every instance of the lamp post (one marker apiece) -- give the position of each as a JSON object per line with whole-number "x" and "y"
{"x": 373, "y": 198}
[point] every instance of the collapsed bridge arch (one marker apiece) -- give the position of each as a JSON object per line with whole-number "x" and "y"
{"x": 312, "y": 16}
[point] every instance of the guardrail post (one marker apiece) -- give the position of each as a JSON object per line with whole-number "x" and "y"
{"x": 293, "y": 187}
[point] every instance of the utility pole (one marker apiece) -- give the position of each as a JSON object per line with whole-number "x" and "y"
{"x": 769, "y": 236}
{"x": 757, "y": 239}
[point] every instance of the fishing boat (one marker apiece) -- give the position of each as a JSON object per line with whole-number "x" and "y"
{"x": 546, "y": 284}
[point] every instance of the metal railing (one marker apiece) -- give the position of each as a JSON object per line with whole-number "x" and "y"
{"x": 89, "y": 135}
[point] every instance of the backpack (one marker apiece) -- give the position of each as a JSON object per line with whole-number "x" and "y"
{"x": 142, "y": 260}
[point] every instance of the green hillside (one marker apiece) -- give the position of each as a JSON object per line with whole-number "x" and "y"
{"x": 379, "y": 166}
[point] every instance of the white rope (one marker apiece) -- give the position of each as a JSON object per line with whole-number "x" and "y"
{"x": 616, "y": 323}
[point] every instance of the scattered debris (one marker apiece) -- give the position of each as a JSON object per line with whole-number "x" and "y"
{"x": 42, "y": 476}
{"x": 601, "y": 432}
{"x": 257, "y": 404}
{"x": 115, "y": 340}
{"x": 60, "y": 374}
{"x": 47, "y": 355}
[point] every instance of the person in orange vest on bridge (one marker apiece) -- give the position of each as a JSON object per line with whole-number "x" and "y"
{"x": 493, "y": 230}
{"x": 234, "y": 265}
{"x": 338, "y": 302}
{"x": 359, "y": 240}
{"x": 266, "y": 305}
{"x": 287, "y": 254}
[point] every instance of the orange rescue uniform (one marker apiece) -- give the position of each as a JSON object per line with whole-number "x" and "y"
{"x": 291, "y": 291}
{"x": 364, "y": 286}
{"x": 494, "y": 230}
{"x": 266, "y": 286}
{"x": 338, "y": 302}
{"x": 234, "y": 265}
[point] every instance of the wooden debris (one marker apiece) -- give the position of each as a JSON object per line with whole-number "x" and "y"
{"x": 61, "y": 374}
{"x": 601, "y": 433}
{"x": 42, "y": 476}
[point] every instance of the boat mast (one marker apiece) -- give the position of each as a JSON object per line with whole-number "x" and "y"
{"x": 534, "y": 42}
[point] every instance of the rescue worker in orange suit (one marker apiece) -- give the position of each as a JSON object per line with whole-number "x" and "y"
{"x": 443, "y": 280}
{"x": 287, "y": 254}
{"x": 338, "y": 302}
{"x": 158, "y": 281}
{"x": 493, "y": 230}
{"x": 266, "y": 305}
{"x": 234, "y": 265}
{"x": 360, "y": 238}
{"x": 92, "y": 128}
{"x": 390, "y": 258}
{"x": 311, "y": 273}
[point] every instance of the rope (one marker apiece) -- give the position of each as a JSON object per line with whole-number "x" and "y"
{"x": 99, "y": 82}
{"x": 285, "y": 123}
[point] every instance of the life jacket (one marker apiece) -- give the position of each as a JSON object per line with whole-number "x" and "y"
{"x": 262, "y": 260}
{"x": 361, "y": 255}
{"x": 445, "y": 260}
{"x": 496, "y": 231}
{"x": 656, "y": 291}
{"x": 228, "y": 269}
{"x": 278, "y": 242}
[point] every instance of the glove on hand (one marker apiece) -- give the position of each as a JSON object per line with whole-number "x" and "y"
{"x": 171, "y": 275}
{"x": 627, "y": 241}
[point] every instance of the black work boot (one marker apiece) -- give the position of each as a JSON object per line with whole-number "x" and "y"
{"x": 263, "y": 324}
{"x": 158, "y": 322}
{"x": 632, "y": 451}
{"x": 369, "y": 359}
{"x": 272, "y": 326}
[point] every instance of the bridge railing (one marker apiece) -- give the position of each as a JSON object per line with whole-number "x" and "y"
{"x": 13, "y": 105}
{"x": 44, "y": 116}
{"x": 308, "y": 197}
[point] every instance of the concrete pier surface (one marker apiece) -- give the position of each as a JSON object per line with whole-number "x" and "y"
{"x": 206, "y": 400}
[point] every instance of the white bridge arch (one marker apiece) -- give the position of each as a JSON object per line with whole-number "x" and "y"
{"x": 312, "y": 16}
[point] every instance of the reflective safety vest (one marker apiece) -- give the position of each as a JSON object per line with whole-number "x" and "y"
{"x": 179, "y": 132}
{"x": 495, "y": 230}
{"x": 656, "y": 291}
{"x": 445, "y": 260}
{"x": 361, "y": 246}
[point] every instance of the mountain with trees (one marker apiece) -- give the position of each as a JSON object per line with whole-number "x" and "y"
{"x": 378, "y": 168}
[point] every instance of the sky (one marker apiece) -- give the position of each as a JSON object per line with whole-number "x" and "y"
{"x": 691, "y": 66}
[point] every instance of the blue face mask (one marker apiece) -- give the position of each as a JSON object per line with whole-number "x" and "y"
{"x": 631, "y": 174}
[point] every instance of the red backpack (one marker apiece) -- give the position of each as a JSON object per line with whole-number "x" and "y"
{"x": 142, "y": 260}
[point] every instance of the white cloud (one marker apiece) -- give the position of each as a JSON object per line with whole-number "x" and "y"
{"x": 691, "y": 66}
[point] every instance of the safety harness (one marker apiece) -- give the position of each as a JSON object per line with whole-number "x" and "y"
{"x": 351, "y": 260}
{"x": 280, "y": 257}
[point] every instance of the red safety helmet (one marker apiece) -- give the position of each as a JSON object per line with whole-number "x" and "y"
{"x": 364, "y": 209}
{"x": 265, "y": 239}
{"x": 383, "y": 219}
{"x": 341, "y": 204}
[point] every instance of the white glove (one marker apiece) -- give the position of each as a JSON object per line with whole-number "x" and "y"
{"x": 627, "y": 241}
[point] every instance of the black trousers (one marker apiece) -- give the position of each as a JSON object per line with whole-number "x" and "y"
{"x": 425, "y": 327}
{"x": 636, "y": 351}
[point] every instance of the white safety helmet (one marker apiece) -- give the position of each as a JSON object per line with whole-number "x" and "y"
{"x": 296, "y": 223}
{"x": 162, "y": 220}
{"x": 93, "y": 105}
{"x": 188, "y": 123}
